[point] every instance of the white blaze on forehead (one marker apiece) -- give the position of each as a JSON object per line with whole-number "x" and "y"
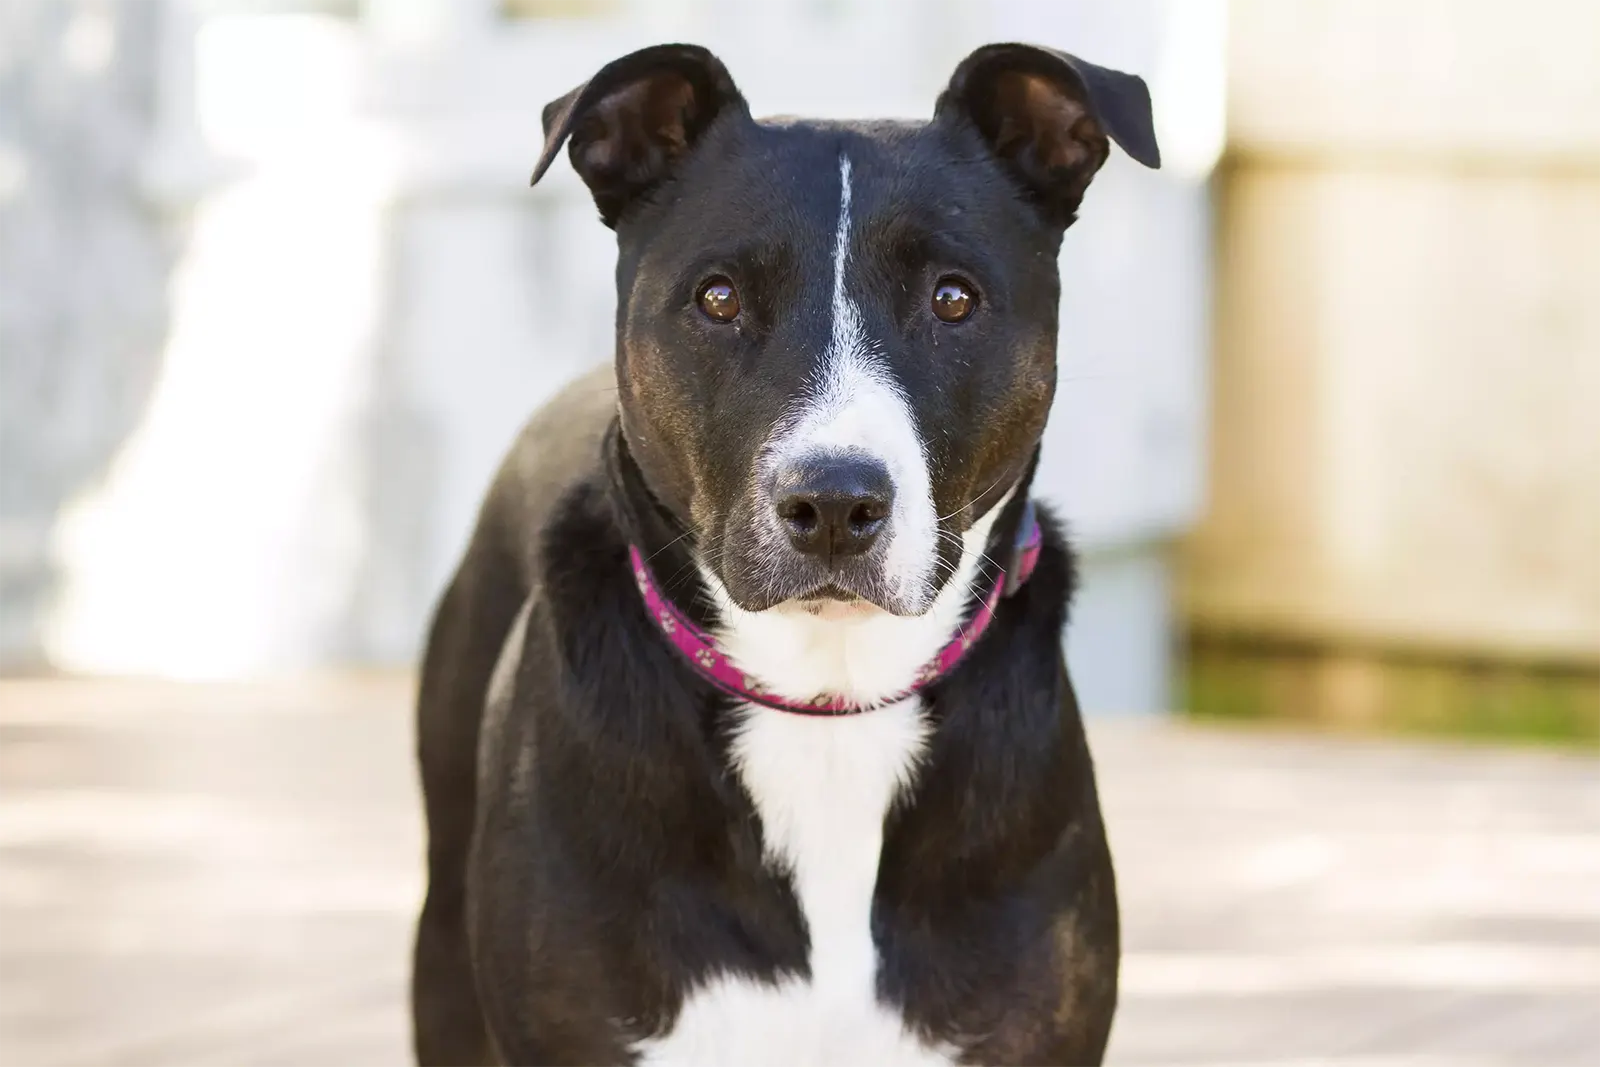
{"x": 856, "y": 406}
{"x": 848, "y": 335}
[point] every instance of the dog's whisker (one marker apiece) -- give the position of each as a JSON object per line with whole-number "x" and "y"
{"x": 956, "y": 540}
{"x": 668, "y": 545}
{"x": 974, "y": 500}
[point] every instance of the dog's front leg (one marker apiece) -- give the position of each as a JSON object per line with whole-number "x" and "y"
{"x": 544, "y": 991}
{"x": 543, "y": 1005}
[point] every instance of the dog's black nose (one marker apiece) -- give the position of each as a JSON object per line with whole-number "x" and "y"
{"x": 834, "y": 507}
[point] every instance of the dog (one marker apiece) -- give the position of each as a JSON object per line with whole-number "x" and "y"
{"x": 745, "y": 731}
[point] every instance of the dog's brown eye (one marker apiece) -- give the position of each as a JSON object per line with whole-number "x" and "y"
{"x": 953, "y": 300}
{"x": 719, "y": 300}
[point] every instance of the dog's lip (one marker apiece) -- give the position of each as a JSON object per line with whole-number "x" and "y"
{"x": 833, "y": 603}
{"x": 830, "y": 601}
{"x": 830, "y": 592}
{"x": 854, "y": 586}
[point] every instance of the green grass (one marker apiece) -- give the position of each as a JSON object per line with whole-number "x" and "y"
{"x": 1241, "y": 681}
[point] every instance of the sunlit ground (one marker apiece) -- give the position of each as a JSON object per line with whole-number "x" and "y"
{"x": 200, "y": 875}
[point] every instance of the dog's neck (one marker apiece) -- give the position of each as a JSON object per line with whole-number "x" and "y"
{"x": 666, "y": 544}
{"x": 859, "y": 653}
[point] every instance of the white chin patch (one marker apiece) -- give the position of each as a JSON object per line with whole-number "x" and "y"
{"x": 857, "y": 408}
{"x": 831, "y": 610}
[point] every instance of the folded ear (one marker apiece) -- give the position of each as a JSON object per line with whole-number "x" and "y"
{"x": 1047, "y": 116}
{"x": 635, "y": 119}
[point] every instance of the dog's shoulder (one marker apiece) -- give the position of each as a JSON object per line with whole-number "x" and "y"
{"x": 556, "y": 450}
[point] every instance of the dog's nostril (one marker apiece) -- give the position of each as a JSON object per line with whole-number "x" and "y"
{"x": 799, "y": 515}
{"x": 834, "y": 507}
{"x": 866, "y": 515}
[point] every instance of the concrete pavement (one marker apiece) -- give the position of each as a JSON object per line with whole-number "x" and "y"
{"x": 227, "y": 875}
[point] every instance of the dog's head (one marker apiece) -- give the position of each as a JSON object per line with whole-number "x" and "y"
{"x": 836, "y": 342}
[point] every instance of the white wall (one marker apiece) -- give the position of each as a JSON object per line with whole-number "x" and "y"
{"x": 83, "y": 265}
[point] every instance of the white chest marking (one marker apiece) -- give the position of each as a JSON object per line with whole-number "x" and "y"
{"x": 822, "y": 788}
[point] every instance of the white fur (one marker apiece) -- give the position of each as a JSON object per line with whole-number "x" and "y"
{"x": 822, "y": 787}
{"x": 856, "y": 406}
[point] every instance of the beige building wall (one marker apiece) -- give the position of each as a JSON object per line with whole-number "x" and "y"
{"x": 1406, "y": 411}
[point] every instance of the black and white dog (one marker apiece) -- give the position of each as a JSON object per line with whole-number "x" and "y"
{"x": 744, "y": 726}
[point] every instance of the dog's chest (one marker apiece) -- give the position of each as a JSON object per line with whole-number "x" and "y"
{"x": 822, "y": 787}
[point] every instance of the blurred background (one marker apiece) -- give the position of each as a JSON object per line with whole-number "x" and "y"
{"x": 275, "y": 297}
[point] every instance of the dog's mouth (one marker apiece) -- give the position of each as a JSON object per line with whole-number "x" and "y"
{"x": 755, "y": 565}
{"x": 830, "y": 592}
{"x": 833, "y": 602}
{"x": 797, "y": 585}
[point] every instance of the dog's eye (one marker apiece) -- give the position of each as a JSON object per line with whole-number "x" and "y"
{"x": 953, "y": 300}
{"x": 718, "y": 299}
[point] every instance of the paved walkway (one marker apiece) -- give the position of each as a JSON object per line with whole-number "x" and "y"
{"x": 228, "y": 875}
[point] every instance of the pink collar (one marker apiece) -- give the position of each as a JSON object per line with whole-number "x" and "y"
{"x": 702, "y": 653}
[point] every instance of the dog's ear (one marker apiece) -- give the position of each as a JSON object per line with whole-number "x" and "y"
{"x": 635, "y": 119}
{"x": 1047, "y": 116}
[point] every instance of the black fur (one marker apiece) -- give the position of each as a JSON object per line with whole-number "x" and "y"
{"x": 592, "y": 854}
